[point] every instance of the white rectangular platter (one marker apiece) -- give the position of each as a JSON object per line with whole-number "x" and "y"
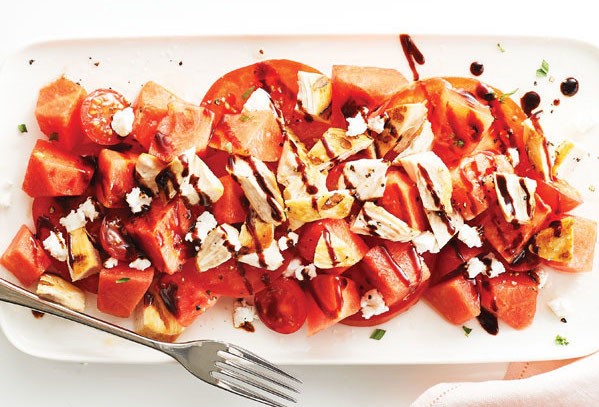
{"x": 188, "y": 65}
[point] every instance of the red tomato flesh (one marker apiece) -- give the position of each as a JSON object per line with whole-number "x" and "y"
{"x": 96, "y": 115}
{"x": 282, "y": 306}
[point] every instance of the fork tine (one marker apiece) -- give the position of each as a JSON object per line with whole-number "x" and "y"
{"x": 247, "y": 355}
{"x": 233, "y": 388}
{"x": 249, "y": 380}
{"x": 262, "y": 376}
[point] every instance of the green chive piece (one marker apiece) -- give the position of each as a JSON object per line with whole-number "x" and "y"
{"x": 244, "y": 118}
{"x": 543, "y": 70}
{"x": 248, "y": 92}
{"x": 377, "y": 334}
{"x": 22, "y": 128}
{"x": 458, "y": 143}
{"x": 560, "y": 340}
{"x": 500, "y": 47}
{"x": 507, "y": 95}
{"x": 123, "y": 280}
{"x": 466, "y": 330}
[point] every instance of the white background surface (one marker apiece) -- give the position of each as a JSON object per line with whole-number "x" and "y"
{"x": 26, "y": 381}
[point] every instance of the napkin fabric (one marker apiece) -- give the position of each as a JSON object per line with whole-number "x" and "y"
{"x": 571, "y": 383}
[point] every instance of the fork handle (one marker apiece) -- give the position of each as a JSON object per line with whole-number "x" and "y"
{"x": 16, "y": 295}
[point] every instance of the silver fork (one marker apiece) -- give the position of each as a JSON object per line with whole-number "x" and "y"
{"x": 220, "y": 364}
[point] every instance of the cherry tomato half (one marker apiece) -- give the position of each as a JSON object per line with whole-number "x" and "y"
{"x": 282, "y": 306}
{"x": 96, "y": 115}
{"x": 114, "y": 241}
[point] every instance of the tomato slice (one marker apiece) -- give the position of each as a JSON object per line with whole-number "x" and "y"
{"x": 282, "y": 306}
{"x": 96, "y": 115}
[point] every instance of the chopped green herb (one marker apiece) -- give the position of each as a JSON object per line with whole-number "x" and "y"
{"x": 377, "y": 334}
{"x": 458, "y": 143}
{"x": 123, "y": 280}
{"x": 507, "y": 95}
{"x": 466, "y": 330}
{"x": 592, "y": 188}
{"x": 22, "y": 128}
{"x": 543, "y": 70}
{"x": 560, "y": 340}
{"x": 500, "y": 47}
{"x": 244, "y": 118}
{"x": 53, "y": 136}
{"x": 248, "y": 92}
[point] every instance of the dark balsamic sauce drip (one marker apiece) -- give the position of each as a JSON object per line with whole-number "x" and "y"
{"x": 556, "y": 225}
{"x": 37, "y": 314}
{"x": 301, "y": 167}
{"x": 507, "y": 198}
{"x": 275, "y": 211}
{"x": 327, "y": 148}
{"x": 417, "y": 262}
{"x": 399, "y": 271}
{"x": 526, "y": 197}
{"x": 477, "y": 68}
{"x": 412, "y": 53}
{"x": 569, "y": 87}
{"x": 163, "y": 142}
{"x": 371, "y": 226}
{"x": 488, "y": 321}
{"x": 556, "y": 102}
{"x": 168, "y": 293}
{"x": 330, "y": 308}
{"x": 246, "y": 282}
{"x": 251, "y": 228}
{"x": 429, "y": 185}
{"x": 148, "y": 299}
{"x": 247, "y": 326}
{"x": 530, "y": 101}
{"x": 327, "y": 240}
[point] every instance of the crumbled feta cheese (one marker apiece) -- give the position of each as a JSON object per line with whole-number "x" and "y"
{"x": 560, "y": 307}
{"x": 488, "y": 265}
{"x": 122, "y": 122}
{"x": 496, "y": 267}
{"x": 6, "y": 194}
{"x": 474, "y": 267}
{"x": 258, "y": 101}
{"x": 372, "y": 303}
{"x": 426, "y": 242}
{"x": 89, "y": 210}
{"x": 377, "y": 124}
{"x": 356, "y": 125}
{"x": 140, "y": 264}
{"x": 111, "y": 262}
{"x": 271, "y": 256}
{"x": 470, "y": 236}
{"x": 73, "y": 221}
{"x": 204, "y": 225}
{"x": 243, "y": 313}
{"x": 137, "y": 200}
{"x": 285, "y": 242}
{"x": 297, "y": 269}
{"x": 543, "y": 277}
{"x": 56, "y": 246}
